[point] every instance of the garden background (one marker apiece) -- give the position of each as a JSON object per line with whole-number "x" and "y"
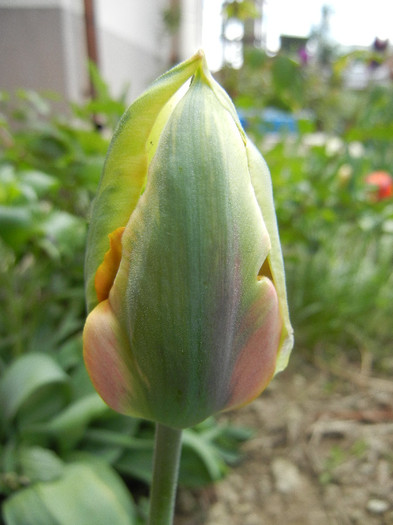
{"x": 317, "y": 445}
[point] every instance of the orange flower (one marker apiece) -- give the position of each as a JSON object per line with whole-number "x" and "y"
{"x": 381, "y": 183}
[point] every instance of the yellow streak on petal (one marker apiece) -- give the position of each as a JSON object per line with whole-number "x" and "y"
{"x": 107, "y": 270}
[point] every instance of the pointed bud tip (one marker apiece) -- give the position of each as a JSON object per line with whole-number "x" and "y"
{"x": 200, "y": 55}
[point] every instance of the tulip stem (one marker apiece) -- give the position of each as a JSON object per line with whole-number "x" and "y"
{"x": 165, "y": 473}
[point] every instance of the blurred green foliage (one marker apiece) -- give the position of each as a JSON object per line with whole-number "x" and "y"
{"x": 241, "y": 10}
{"x": 65, "y": 457}
{"x": 337, "y": 248}
{"x": 337, "y": 239}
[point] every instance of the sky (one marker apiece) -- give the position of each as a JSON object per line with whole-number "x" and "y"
{"x": 352, "y": 22}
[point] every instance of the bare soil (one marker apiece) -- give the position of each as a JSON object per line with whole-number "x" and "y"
{"x": 322, "y": 454}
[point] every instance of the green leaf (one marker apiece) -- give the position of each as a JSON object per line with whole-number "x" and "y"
{"x": 137, "y": 464}
{"x": 86, "y": 493}
{"x": 70, "y": 425}
{"x": 207, "y": 449}
{"x": 206, "y": 453}
{"x": 26, "y": 508}
{"x": 16, "y": 224}
{"x": 117, "y": 439}
{"x": 65, "y": 231}
{"x": 111, "y": 435}
{"x": 241, "y": 10}
{"x": 131, "y": 455}
{"x": 41, "y": 182}
{"x": 24, "y": 378}
{"x": 39, "y": 464}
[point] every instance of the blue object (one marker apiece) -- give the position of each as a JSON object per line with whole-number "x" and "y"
{"x": 269, "y": 120}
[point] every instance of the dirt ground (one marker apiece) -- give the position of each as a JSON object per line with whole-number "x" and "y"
{"x": 322, "y": 454}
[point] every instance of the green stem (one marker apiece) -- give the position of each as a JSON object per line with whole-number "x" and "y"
{"x": 165, "y": 473}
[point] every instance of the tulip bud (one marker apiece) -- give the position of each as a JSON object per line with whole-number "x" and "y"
{"x": 184, "y": 274}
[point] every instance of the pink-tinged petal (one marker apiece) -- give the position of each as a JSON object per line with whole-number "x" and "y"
{"x": 256, "y": 363}
{"x": 106, "y": 368}
{"x": 274, "y": 265}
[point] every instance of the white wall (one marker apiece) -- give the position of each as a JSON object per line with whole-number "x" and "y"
{"x": 43, "y": 43}
{"x": 132, "y": 45}
{"x": 42, "y": 47}
{"x": 191, "y": 27}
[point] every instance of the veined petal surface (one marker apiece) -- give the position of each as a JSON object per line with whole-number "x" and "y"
{"x": 126, "y": 165}
{"x": 196, "y": 330}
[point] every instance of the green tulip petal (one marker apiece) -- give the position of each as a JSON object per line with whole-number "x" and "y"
{"x": 192, "y": 251}
{"x": 196, "y": 313}
{"x": 261, "y": 181}
{"x": 125, "y": 169}
{"x": 274, "y": 266}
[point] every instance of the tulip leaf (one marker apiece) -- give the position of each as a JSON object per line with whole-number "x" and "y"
{"x": 86, "y": 493}
{"x": 136, "y": 464}
{"x": 24, "y": 378}
{"x": 207, "y": 449}
{"x": 119, "y": 439}
{"x": 39, "y": 464}
{"x": 69, "y": 426}
{"x": 26, "y": 508}
{"x": 206, "y": 453}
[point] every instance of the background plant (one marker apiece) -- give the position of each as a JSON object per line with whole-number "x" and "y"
{"x": 336, "y": 238}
